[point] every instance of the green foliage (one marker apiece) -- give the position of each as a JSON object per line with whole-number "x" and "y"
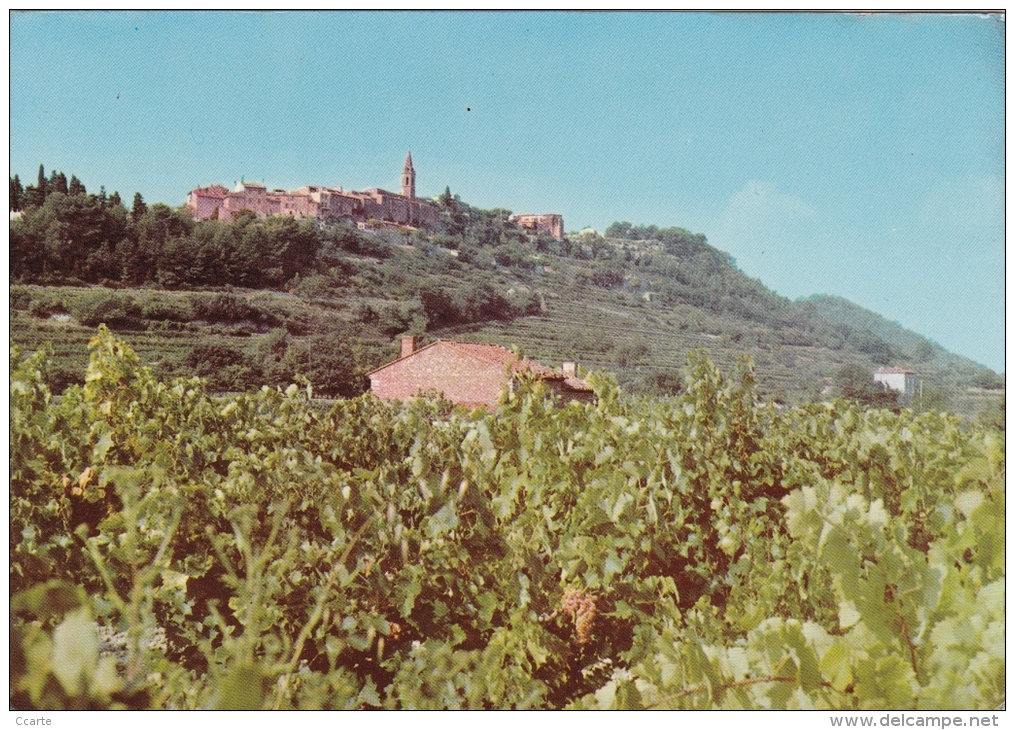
{"x": 328, "y": 362}
{"x": 475, "y": 302}
{"x": 856, "y": 383}
{"x": 607, "y": 276}
{"x": 923, "y": 351}
{"x": 699, "y": 551}
{"x": 104, "y": 307}
{"x": 223, "y": 367}
{"x": 229, "y": 308}
{"x": 138, "y": 207}
{"x": 45, "y": 304}
{"x": 988, "y": 380}
{"x": 472, "y": 273}
{"x": 17, "y": 195}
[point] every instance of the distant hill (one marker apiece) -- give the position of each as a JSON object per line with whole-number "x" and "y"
{"x": 915, "y": 348}
{"x": 198, "y": 297}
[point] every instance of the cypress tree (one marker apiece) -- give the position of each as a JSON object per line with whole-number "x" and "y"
{"x": 41, "y": 187}
{"x": 17, "y": 194}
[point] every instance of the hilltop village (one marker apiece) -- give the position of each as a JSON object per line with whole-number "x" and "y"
{"x": 255, "y": 285}
{"x": 402, "y": 210}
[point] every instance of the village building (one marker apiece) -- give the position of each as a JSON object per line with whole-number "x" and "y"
{"x": 468, "y": 374}
{"x": 402, "y": 209}
{"x": 899, "y": 379}
{"x": 205, "y": 203}
{"x": 552, "y": 223}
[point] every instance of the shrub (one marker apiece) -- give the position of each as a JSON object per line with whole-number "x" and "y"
{"x": 607, "y": 276}
{"x": 220, "y": 307}
{"x": 20, "y": 298}
{"x": 224, "y": 367}
{"x": 45, "y": 304}
{"x": 168, "y": 310}
{"x": 393, "y": 319}
{"x": 315, "y": 285}
{"x": 513, "y": 256}
{"x": 226, "y": 308}
{"x": 109, "y": 308}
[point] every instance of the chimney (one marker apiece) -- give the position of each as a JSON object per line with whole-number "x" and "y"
{"x": 408, "y": 345}
{"x": 569, "y": 369}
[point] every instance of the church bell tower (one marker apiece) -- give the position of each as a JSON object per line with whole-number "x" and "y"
{"x": 408, "y": 178}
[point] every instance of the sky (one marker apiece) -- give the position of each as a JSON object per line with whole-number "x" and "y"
{"x": 854, "y": 155}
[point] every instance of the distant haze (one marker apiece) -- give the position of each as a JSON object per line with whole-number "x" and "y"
{"x": 861, "y": 156}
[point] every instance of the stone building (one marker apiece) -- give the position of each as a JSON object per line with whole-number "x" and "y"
{"x": 468, "y": 374}
{"x": 207, "y": 202}
{"x": 552, "y": 223}
{"x": 402, "y": 209}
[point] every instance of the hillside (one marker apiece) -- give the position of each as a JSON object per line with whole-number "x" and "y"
{"x": 199, "y": 297}
{"x": 918, "y": 349}
{"x": 938, "y": 368}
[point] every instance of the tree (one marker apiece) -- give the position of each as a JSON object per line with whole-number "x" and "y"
{"x": 988, "y": 380}
{"x": 438, "y": 305}
{"x": 69, "y": 228}
{"x": 869, "y": 343}
{"x": 291, "y": 247}
{"x": 57, "y": 182}
{"x": 17, "y": 194}
{"x": 617, "y": 229}
{"x": 138, "y": 207}
{"x": 35, "y": 195}
{"x": 854, "y": 382}
{"x": 75, "y": 187}
{"x": 329, "y": 362}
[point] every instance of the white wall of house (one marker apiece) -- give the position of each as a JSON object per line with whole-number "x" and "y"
{"x": 903, "y": 382}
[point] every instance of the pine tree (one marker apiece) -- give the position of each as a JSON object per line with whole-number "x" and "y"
{"x": 17, "y": 194}
{"x": 75, "y": 187}
{"x": 114, "y": 200}
{"x": 138, "y": 208}
{"x": 57, "y": 182}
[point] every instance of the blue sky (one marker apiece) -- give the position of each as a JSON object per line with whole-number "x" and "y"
{"x": 861, "y": 156}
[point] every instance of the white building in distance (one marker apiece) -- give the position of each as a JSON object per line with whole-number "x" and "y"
{"x": 904, "y": 381}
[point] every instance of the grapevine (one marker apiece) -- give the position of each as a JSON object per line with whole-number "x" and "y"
{"x": 702, "y": 551}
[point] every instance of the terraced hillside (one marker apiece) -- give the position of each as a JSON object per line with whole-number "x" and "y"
{"x": 644, "y": 342}
{"x": 634, "y": 306}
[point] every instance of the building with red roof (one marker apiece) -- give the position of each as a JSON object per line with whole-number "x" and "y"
{"x": 468, "y": 374}
{"x": 552, "y": 223}
{"x": 207, "y": 202}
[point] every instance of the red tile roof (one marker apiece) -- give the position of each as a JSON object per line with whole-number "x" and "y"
{"x": 215, "y": 191}
{"x": 497, "y": 355}
{"x": 502, "y": 356}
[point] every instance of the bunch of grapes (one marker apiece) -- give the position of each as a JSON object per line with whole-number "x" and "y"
{"x": 582, "y": 608}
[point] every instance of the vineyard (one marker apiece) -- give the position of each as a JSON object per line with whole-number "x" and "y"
{"x": 700, "y": 551}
